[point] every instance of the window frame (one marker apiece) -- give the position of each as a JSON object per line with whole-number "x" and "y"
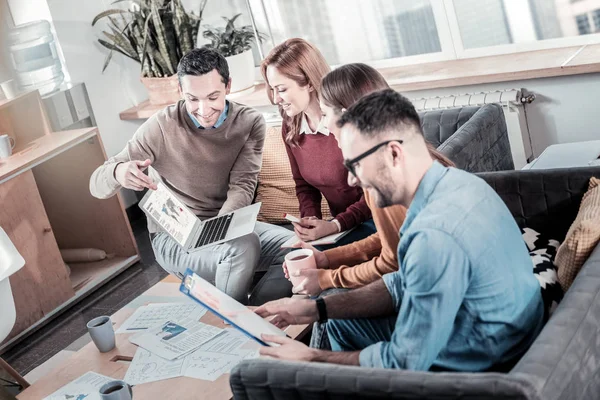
{"x": 452, "y": 47}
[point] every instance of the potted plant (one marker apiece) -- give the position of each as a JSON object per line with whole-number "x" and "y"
{"x": 235, "y": 44}
{"x": 155, "y": 33}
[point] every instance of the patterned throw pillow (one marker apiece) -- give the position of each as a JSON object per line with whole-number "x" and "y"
{"x": 583, "y": 236}
{"x": 276, "y": 187}
{"x": 542, "y": 251}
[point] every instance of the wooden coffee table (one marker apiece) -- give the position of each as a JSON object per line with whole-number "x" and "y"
{"x": 115, "y": 363}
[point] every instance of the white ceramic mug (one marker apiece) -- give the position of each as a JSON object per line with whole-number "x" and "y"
{"x": 298, "y": 260}
{"x": 10, "y": 89}
{"x": 102, "y": 333}
{"x": 7, "y": 143}
{"x": 116, "y": 390}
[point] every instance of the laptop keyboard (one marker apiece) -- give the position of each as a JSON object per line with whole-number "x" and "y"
{"x": 214, "y": 230}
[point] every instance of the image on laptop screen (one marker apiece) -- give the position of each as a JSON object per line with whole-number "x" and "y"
{"x": 170, "y": 213}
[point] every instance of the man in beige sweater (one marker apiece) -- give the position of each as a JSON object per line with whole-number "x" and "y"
{"x": 208, "y": 151}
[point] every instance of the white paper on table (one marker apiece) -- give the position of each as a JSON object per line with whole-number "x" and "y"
{"x": 207, "y": 365}
{"x": 154, "y": 314}
{"x": 175, "y": 338}
{"x": 147, "y": 367}
{"x": 87, "y": 387}
{"x": 219, "y": 355}
{"x": 231, "y": 342}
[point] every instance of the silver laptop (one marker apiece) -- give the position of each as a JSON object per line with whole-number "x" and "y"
{"x": 565, "y": 155}
{"x": 176, "y": 219}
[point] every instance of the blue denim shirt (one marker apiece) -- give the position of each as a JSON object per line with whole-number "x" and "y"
{"x": 219, "y": 122}
{"x": 464, "y": 291}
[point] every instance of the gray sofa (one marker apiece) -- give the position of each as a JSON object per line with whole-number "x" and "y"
{"x": 474, "y": 138}
{"x": 563, "y": 363}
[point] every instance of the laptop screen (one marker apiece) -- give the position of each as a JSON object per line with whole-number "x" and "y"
{"x": 169, "y": 212}
{"x": 228, "y": 309}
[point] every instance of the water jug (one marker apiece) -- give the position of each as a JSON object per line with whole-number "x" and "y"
{"x": 34, "y": 57}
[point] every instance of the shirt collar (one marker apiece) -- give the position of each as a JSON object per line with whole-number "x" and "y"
{"x": 219, "y": 122}
{"x": 426, "y": 187}
{"x": 305, "y": 129}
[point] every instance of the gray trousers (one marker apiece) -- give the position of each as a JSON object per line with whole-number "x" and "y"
{"x": 230, "y": 266}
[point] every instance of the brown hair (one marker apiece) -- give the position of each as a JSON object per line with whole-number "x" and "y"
{"x": 303, "y": 63}
{"x": 343, "y": 86}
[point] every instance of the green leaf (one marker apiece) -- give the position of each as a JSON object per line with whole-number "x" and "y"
{"x": 161, "y": 37}
{"x": 122, "y": 43}
{"x": 107, "y": 60}
{"x": 107, "y": 13}
{"x": 130, "y": 1}
{"x": 229, "y": 28}
{"x": 111, "y": 46}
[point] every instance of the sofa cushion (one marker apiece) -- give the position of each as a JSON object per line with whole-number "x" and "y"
{"x": 276, "y": 188}
{"x": 545, "y": 272}
{"x": 536, "y": 241}
{"x": 582, "y": 237}
{"x": 439, "y": 125}
{"x": 542, "y": 251}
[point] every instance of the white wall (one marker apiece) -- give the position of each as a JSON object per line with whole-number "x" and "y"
{"x": 566, "y": 109}
{"x": 111, "y": 92}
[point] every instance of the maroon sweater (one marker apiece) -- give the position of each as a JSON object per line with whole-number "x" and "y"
{"x": 317, "y": 168}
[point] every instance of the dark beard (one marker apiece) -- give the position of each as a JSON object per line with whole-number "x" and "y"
{"x": 383, "y": 197}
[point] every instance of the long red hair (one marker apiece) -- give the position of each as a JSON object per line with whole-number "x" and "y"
{"x": 302, "y": 62}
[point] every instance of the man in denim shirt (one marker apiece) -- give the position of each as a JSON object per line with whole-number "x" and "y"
{"x": 464, "y": 297}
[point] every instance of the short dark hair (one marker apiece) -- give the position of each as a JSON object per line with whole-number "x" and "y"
{"x": 201, "y": 61}
{"x": 381, "y": 111}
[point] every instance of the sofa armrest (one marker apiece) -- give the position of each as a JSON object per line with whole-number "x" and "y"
{"x": 271, "y": 379}
{"x": 546, "y": 200}
{"x": 482, "y": 143}
{"x": 562, "y": 363}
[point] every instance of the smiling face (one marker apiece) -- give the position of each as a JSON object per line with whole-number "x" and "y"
{"x": 376, "y": 172}
{"x": 204, "y": 96}
{"x": 291, "y": 97}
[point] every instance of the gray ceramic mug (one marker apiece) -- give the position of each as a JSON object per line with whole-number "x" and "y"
{"x": 102, "y": 333}
{"x": 116, "y": 390}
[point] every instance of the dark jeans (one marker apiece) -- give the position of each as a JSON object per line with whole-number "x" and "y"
{"x": 273, "y": 285}
{"x": 319, "y": 338}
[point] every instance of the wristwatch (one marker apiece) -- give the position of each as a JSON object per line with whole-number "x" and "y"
{"x": 322, "y": 310}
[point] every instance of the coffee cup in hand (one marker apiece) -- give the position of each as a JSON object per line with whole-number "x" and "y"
{"x": 116, "y": 390}
{"x": 102, "y": 333}
{"x": 298, "y": 260}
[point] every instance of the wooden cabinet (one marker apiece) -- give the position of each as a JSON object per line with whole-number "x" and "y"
{"x": 45, "y": 205}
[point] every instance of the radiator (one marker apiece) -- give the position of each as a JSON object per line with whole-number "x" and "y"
{"x": 514, "y": 103}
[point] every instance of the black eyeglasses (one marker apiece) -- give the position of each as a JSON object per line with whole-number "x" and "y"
{"x": 350, "y": 164}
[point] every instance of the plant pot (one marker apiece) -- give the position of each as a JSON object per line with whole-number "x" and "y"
{"x": 241, "y": 71}
{"x": 162, "y": 90}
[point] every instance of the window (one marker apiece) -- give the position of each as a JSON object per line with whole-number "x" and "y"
{"x": 396, "y": 32}
{"x": 596, "y": 18}
{"x": 356, "y": 30}
{"x": 583, "y": 24}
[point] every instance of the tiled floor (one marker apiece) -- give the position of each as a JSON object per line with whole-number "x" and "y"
{"x": 67, "y": 332}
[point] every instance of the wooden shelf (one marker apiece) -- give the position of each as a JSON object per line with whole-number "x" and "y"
{"x": 86, "y": 276}
{"x": 47, "y": 205}
{"x": 472, "y": 71}
{"x": 42, "y": 149}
